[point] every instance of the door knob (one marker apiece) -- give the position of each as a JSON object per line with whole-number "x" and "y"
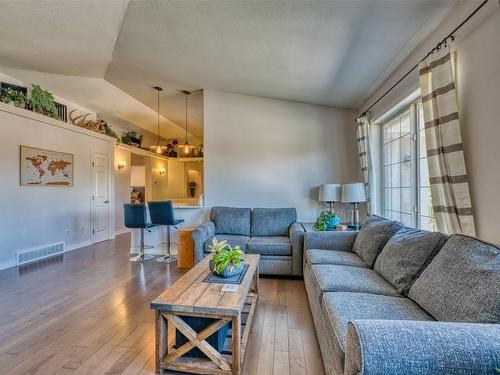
{"x": 106, "y": 201}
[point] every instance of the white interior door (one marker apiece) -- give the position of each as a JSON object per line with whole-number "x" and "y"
{"x": 100, "y": 197}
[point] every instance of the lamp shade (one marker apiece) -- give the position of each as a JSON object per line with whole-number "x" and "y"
{"x": 353, "y": 193}
{"x": 330, "y": 193}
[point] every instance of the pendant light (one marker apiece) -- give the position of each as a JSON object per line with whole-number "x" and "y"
{"x": 158, "y": 148}
{"x": 186, "y": 146}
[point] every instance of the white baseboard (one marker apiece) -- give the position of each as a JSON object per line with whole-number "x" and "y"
{"x": 67, "y": 248}
{"x": 76, "y": 246}
{"x": 7, "y": 264}
{"x": 123, "y": 231}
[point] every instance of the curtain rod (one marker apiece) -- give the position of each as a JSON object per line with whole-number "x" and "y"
{"x": 437, "y": 47}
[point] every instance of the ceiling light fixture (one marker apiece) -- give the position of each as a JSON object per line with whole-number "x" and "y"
{"x": 158, "y": 148}
{"x": 186, "y": 145}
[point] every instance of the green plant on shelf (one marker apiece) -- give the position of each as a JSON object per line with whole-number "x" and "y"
{"x": 131, "y": 138}
{"x": 15, "y": 97}
{"x": 108, "y": 130}
{"x": 42, "y": 101}
{"x": 225, "y": 255}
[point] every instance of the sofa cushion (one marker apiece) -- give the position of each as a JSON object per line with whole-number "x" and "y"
{"x": 406, "y": 255}
{"x": 231, "y": 220}
{"x": 272, "y": 221}
{"x": 231, "y": 239}
{"x": 330, "y": 240}
{"x": 373, "y": 218}
{"x": 462, "y": 283}
{"x": 340, "y": 308}
{"x": 332, "y": 278}
{"x": 278, "y": 245}
{"x": 340, "y": 258}
{"x": 373, "y": 236}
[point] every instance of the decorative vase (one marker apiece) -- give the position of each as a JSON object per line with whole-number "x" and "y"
{"x": 229, "y": 271}
{"x": 192, "y": 191}
{"x": 332, "y": 222}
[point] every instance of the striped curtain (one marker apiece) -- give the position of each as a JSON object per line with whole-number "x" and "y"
{"x": 365, "y": 159}
{"x": 447, "y": 174}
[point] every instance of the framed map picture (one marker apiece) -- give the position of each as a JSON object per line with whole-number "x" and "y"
{"x": 41, "y": 167}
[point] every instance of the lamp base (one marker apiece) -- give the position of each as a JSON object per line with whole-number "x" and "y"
{"x": 355, "y": 216}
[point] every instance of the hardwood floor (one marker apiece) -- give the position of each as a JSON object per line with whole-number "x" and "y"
{"x": 87, "y": 312}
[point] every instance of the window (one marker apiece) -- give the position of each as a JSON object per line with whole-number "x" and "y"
{"x": 405, "y": 178}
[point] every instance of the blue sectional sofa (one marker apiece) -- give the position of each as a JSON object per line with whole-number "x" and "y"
{"x": 397, "y": 300}
{"x": 271, "y": 232}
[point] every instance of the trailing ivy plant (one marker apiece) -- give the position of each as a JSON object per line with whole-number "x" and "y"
{"x": 9, "y": 95}
{"x": 42, "y": 101}
{"x": 106, "y": 129}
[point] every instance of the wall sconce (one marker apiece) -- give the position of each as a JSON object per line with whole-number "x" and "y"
{"x": 161, "y": 171}
{"x": 121, "y": 164}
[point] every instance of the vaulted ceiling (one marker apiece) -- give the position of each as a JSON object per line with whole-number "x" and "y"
{"x": 331, "y": 53}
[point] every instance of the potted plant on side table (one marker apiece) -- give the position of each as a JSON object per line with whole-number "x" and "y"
{"x": 226, "y": 261}
{"x": 326, "y": 221}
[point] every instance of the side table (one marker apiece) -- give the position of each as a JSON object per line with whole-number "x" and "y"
{"x": 309, "y": 227}
{"x": 186, "y": 248}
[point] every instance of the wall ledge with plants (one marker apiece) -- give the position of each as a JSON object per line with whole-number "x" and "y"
{"x": 42, "y": 102}
{"x": 31, "y": 115}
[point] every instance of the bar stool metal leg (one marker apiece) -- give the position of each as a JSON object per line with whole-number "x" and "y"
{"x": 167, "y": 258}
{"x": 141, "y": 257}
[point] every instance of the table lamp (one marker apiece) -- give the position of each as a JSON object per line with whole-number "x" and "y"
{"x": 330, "y": 193}
{"x": 354, "y": 193}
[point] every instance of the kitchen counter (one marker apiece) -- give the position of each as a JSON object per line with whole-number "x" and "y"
{"x": 192, "y": 214}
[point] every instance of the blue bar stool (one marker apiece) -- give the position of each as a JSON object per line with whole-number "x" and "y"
{"x": 136, "y": 217}
{"x": 162, "y": 213}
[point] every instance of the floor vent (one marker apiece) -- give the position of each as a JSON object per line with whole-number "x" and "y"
{"x": 32, "y": 255}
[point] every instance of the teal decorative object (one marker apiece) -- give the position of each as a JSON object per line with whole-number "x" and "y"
{"x": 332, "y": 222}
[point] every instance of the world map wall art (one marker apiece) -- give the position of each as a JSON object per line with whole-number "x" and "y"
{"x": 41, "y": 167}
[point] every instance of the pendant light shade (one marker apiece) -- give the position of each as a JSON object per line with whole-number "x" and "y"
{"x": 158, "y": 148}
{"x": 186, "y": 146}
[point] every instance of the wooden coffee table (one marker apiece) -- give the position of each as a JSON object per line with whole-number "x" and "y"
{"x": 191, "y": 296}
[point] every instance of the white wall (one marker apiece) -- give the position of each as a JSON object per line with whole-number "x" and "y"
{"x": 35, "y": 216}
{"x": 262, "y": 152}
{"x": 122, "y": 188}
{"x": 176, "y": 180}
{"x": 159, "y": 183}
{"x": 478, "y": 86}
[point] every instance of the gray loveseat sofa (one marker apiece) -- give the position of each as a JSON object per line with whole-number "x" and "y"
{"x": 271, "y": 232}
{"x": 396, "y": 300}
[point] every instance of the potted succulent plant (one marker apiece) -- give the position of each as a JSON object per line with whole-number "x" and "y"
{"x": 326, "y": 221}
{"x": 192, "y": 188}
{"x": 226, "y": 261}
